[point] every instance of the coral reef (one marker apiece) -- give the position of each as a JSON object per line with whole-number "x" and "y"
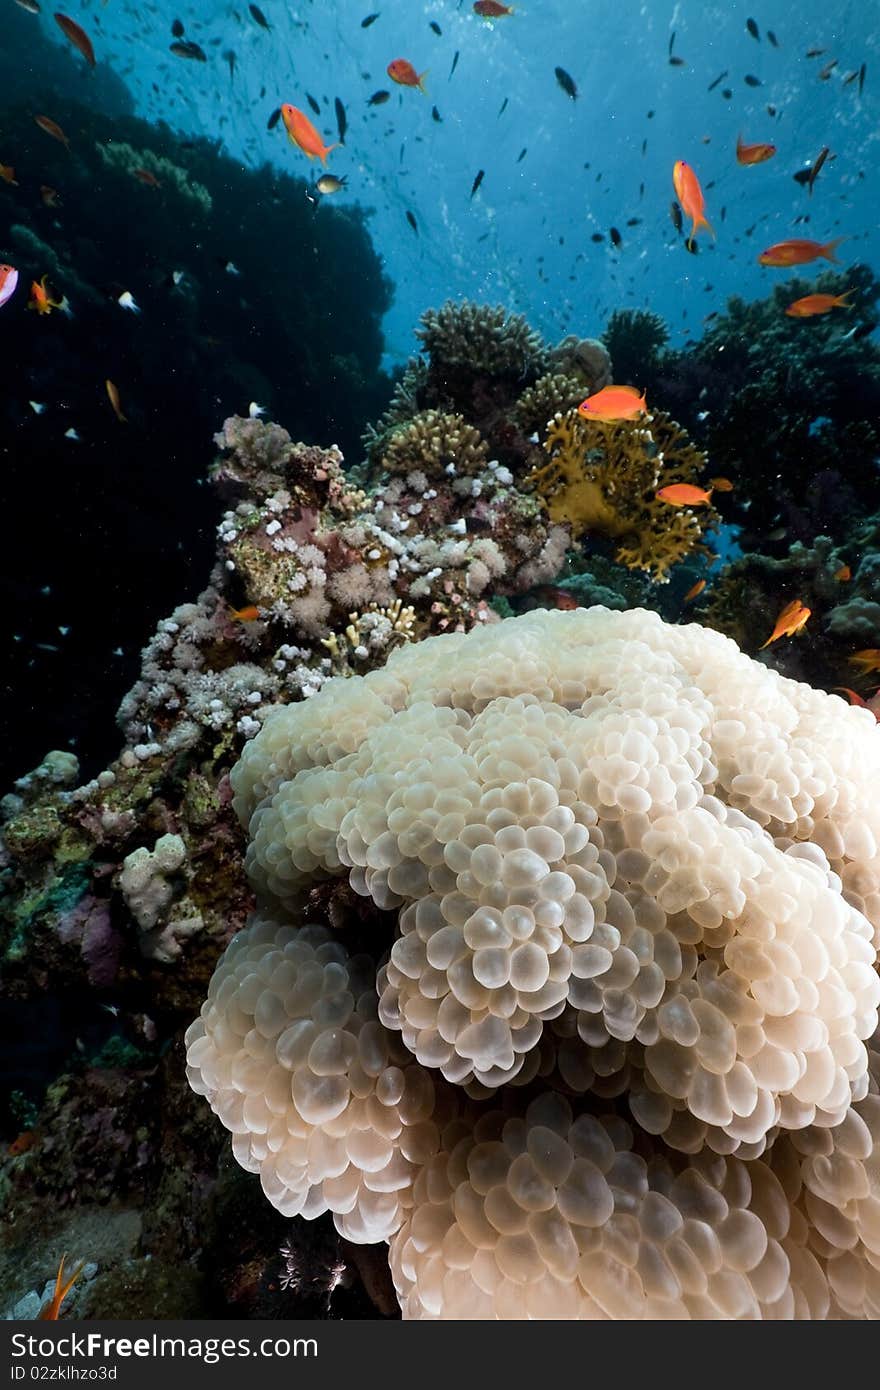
{"x": 190, "y": 357}
{"x": 788, "y": 408}
{"x": 602, "y": 480}
{"x": 484, "y": 339}
{"x": 629, "y": 867}
{"x": 635, "y": 339}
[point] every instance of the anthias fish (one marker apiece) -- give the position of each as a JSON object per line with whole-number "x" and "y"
{"x": 302, "y": 133}
{"x": 792, "y": 618}
{"x": 812, "y": 304}
{"x": 51, "y": 1309}
{"x": 8, "y": 283}
{"x": 799, "y": 251}
{"x": 613, "y": 403}
{"x": 690, "y": 196}
{"x": 491, "y": 9}
{"x": 685, "y": 495}
{"x": 76, "y": 35}
{"x": 753, "y": 154}
{"x": 40, "y": 299}
{"x": 52, "y": 128}
{"x": 401, "y": 71}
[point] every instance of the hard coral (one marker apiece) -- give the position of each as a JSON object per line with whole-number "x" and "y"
{"x": 434, "y": 441}
{"x": 628, "y": 861}
{"x": 602, "y": 480}
{"x": 488, "y": 340}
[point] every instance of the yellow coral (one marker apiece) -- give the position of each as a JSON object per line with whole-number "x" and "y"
{"x": 602, "y": 479}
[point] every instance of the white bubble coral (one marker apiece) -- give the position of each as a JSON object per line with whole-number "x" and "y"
{"x": 627, "y": 862}
{"x": 603, "y": 811}
{"x": 322, "y": 1102}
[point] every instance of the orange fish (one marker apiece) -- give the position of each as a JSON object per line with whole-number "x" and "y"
{"x": 52, "y": 128}
{"x": 867, "y": 660}
{"x": 40, "y": 300}
{"x": 77, "y": 36}
{"x": 301, "y": 132}
{"x": 250, "y": 614}
{"x": 813, "y": 304}
{"x": 25, "y": 1141}
{"x": 50, "y": 196}
{"x": 7, "y": 174}
{"x": 491, "y": 9}
{"x": 613, "y": 403}
{"x": 790, "y": 621}
{"x": 852, "y": 695}
{"x": 799, "y": 251}
{"x": 690, "y": 196}
{"x": 403, "y": 72}
{"x": 52, "y": 1307}
{"x": 8, "y": 283}
{"x": 113, "y": 395}
{"x": 146, "y": 177}
{"x": 559, "y": 598}
{"x": 843, "y": 575}
{"x": 753, "y": 154}
{"x": 685, "y": 495}
{"x": 721, "y": 485}
{"x": 694, "y": 591}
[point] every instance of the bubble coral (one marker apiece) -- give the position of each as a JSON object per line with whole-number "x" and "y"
{"x": 602, "y": 480}
{"x": 627, "y": 860}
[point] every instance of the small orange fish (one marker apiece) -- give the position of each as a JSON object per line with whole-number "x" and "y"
{"x": 690, "y": 196}
{"x": 146, "y": 177}
{"x": 852, "y": 695}
{"x": 721, "y": 485}
{"x": 302, "y": 133}
{"x": 685, "y": 495}
{"x": 25, "y": 1141}
{"x": 250, "y": 614}
{"x": 40, "y": 300}
{"x": 843, "y": 575}
{"x": 753, "y": 154}
{"x": 559, "y": 598}
{"x": 52, "y": 1307}
{"x": 613, "y": 403}
{"x": 52, "y": 128}
{"x": 491, "y": 9}
{"x": 813, "y": 304}
{"x": 76, "y": 35}
{"x": 113, "y": 394}
{"x": 7, "y": 174}
{"x": 867, "y": 660}
{"x": 799, "y": 251}
{"x": 402, "y": 72}
{"x": 694, "y": 591}
{"x": 790, "y": 621}
{"x": 50, "y": 196}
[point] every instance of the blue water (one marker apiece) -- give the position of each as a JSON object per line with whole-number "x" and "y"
{"x": 524, "y": 238}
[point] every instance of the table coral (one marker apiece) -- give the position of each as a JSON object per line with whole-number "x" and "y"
{"x": 602, "y": 480}
{"x": 629, "y": 865}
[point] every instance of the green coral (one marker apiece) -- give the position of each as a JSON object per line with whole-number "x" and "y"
{"x": 116, "y": 154}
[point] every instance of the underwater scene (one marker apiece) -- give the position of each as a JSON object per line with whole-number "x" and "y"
{"x": 440, "y": 833}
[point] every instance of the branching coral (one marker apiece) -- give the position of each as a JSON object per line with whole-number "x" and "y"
{"x": 635, "y": 339}
{"x": 602, "y": 480}
{"x": 487, "y": 339}
{"x": 629, "y": 862}
{"x": 434, "y": 441}
{"x": 552, "y": 394}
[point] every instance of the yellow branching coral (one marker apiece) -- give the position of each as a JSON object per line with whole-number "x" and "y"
{"x": 602, "y": 479}
{"x": 432, "y": 441}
